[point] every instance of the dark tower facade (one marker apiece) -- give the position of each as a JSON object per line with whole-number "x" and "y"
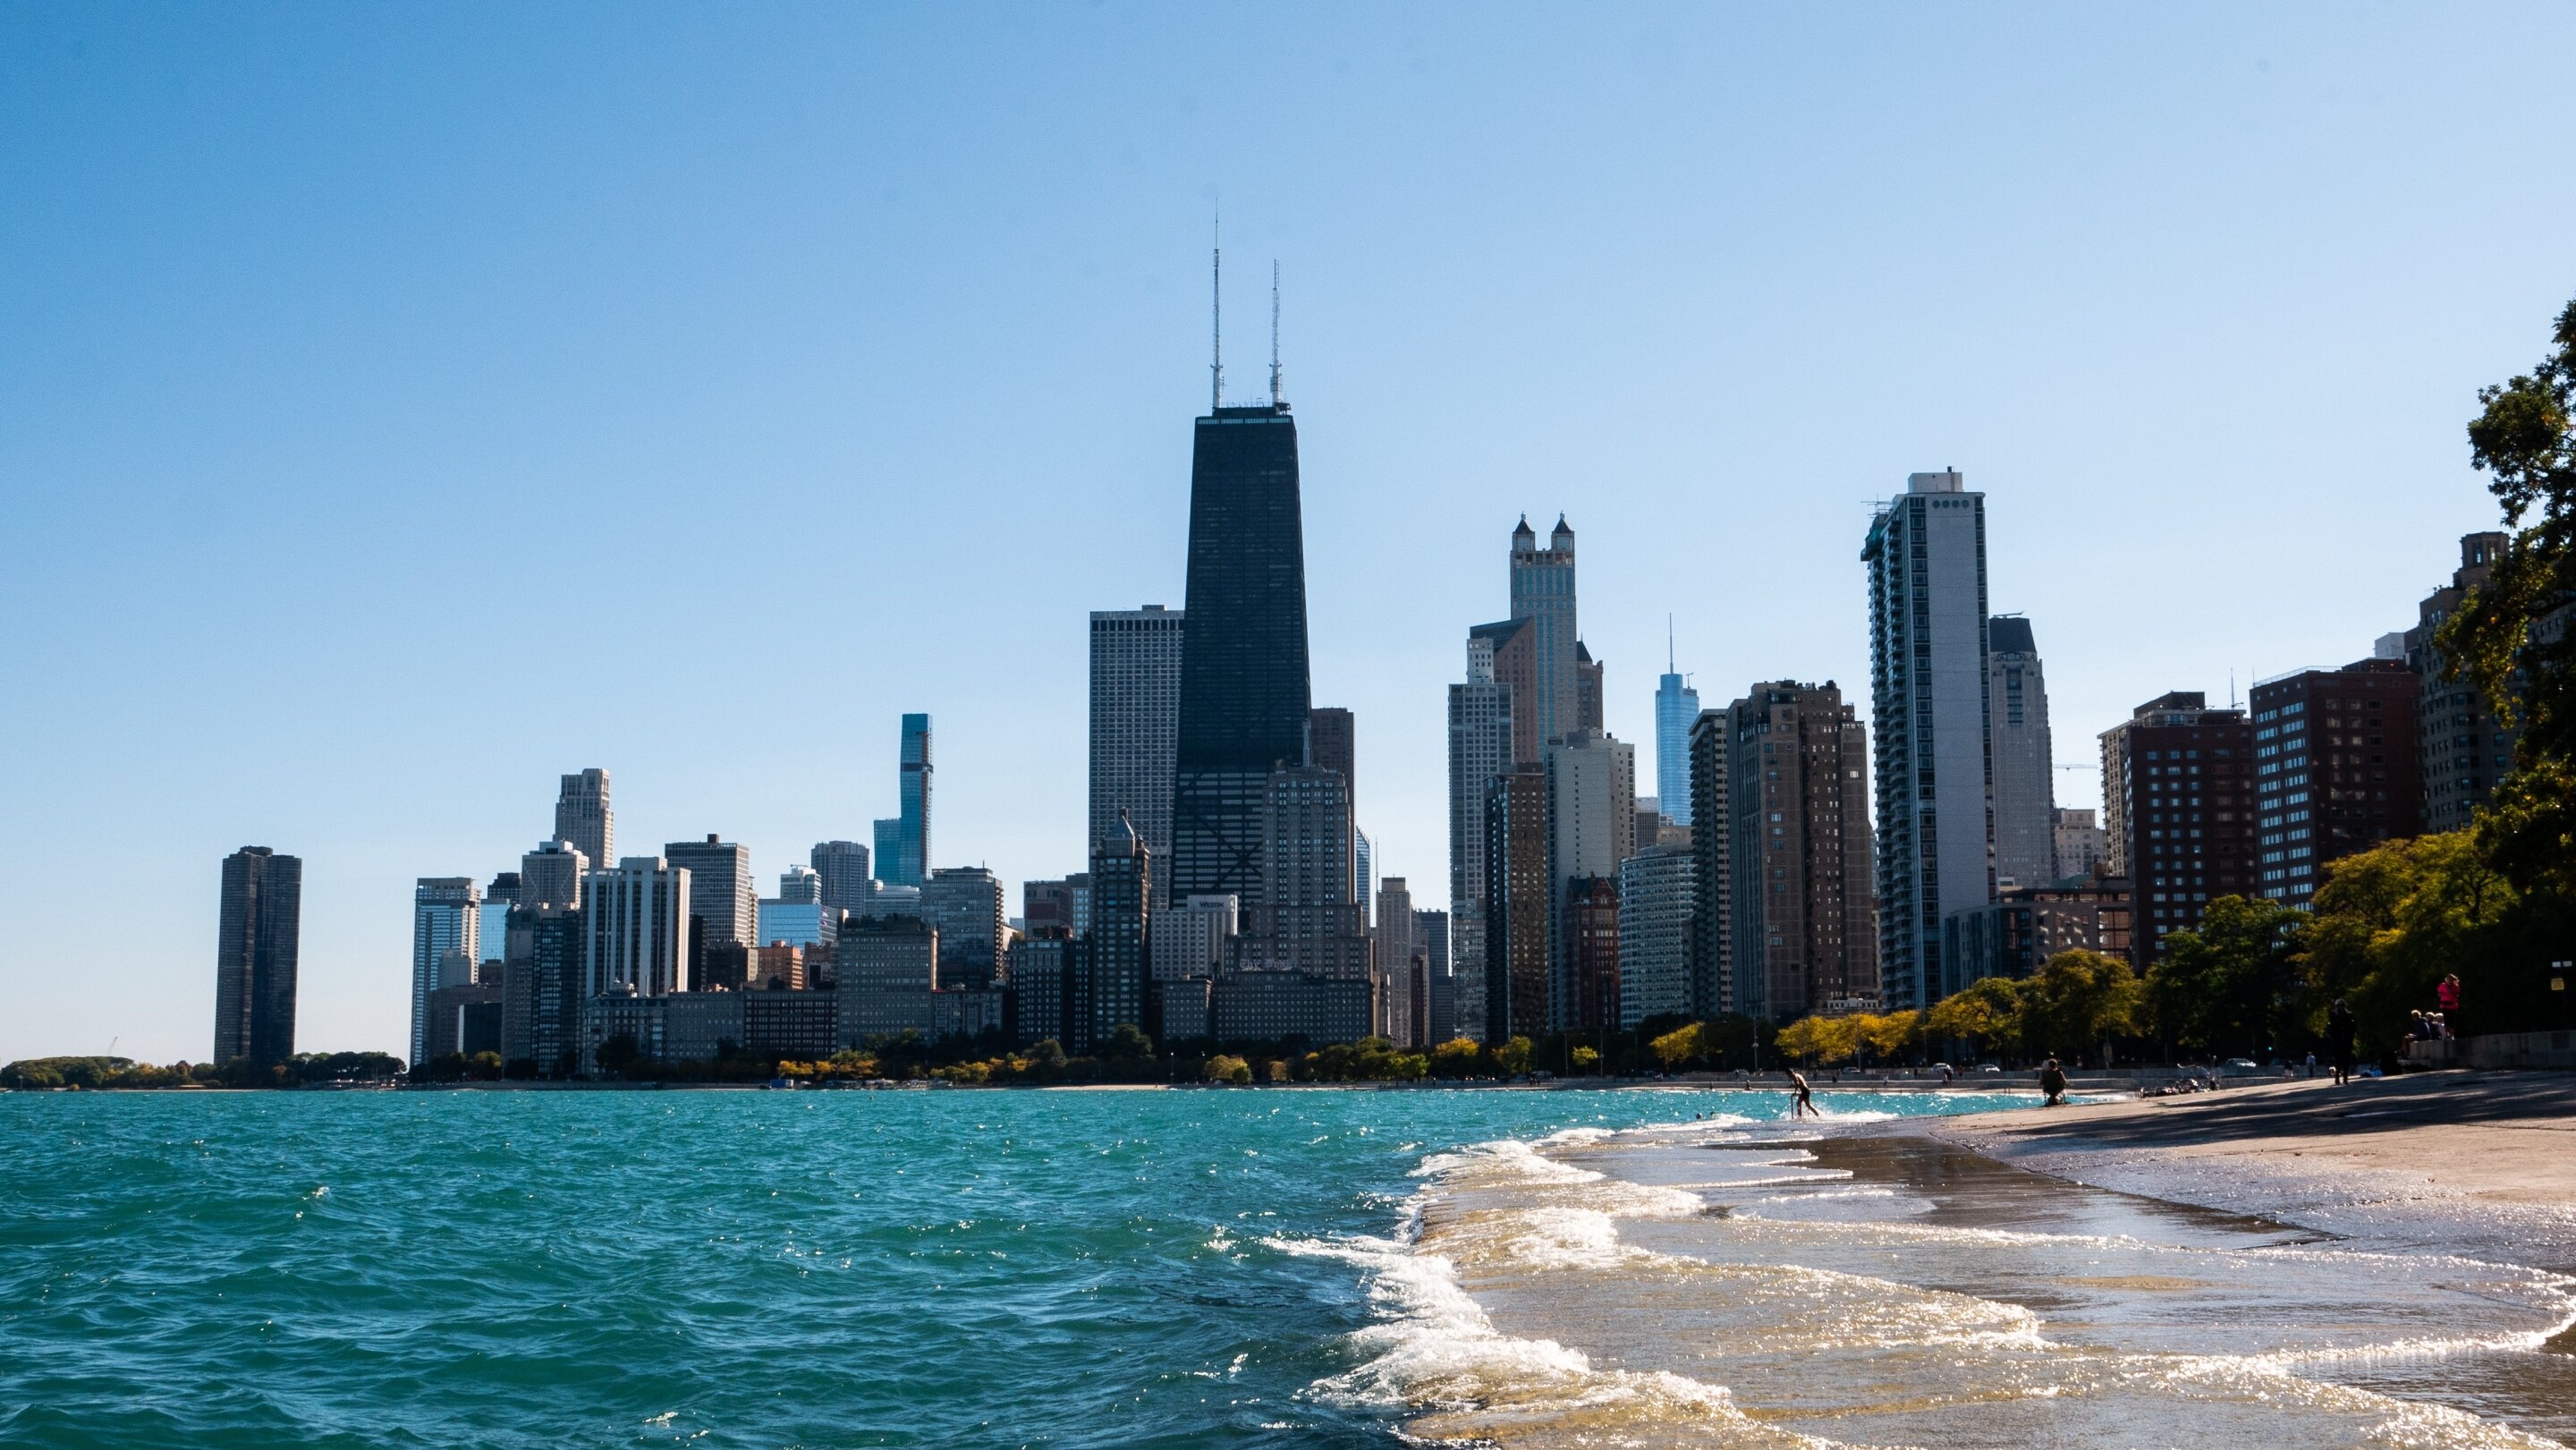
{"x": 1244, "y": 687}
{"x": 255, "y": 956}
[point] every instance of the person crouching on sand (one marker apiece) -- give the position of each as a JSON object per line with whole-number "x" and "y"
{"x": 1804, "y": 1104}
{"x": 2052, "y": 1081}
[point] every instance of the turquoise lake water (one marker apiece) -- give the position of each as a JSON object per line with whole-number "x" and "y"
{"x": 725, "y": 1268}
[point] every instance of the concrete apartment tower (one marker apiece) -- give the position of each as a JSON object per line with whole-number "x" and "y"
{"x": 257, "y": 928}
{"x": 1135, "y": 724}
{"x": 1307, "y": 916}
{"x": 1518, "y": 913}
{"x": 1926, "y": 553}
{"x": 966, "y": 904}
{"x": 582, "y": 816}
{"x": 2335, "y": 770}
{"x": 843, "y": 865}
{"x": 446, "y": 917}
{"x": 552, "y": 873}
{"x": 2464, "y": 748}
{"x": 1676, "y": 707}
{"x": 1119, "y": 947}
{"x": 2178, "y": 784}
{"x": 2082, "y": 848}
{"x": 635, "y": 924}
{"x": 1591, "y": 828}
{"x": 1658, "y": 895}
{"x": 1712, "y": 751}
{"x": 1804, "y": 934}
{"x": 1543, "y": 594}
{"x": 1480, "y": 748}
{"x": 1332, "y": 742}
{"x": 1398, "y": 989}
{"x": 2024, "y": 773}
{"x": 724, "y": 901}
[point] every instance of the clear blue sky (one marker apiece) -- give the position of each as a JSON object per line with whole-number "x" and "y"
{"x": 403, "y": 405}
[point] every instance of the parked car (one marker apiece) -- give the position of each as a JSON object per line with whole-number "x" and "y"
{"x": 1993, "y": 1067}
{"x": 2239, "y": 1067}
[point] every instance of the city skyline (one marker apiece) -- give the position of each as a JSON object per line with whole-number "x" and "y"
{"x": 1399, "y": 462}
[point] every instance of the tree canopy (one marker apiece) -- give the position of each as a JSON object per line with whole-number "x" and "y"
{"x": 2512, "y": 636}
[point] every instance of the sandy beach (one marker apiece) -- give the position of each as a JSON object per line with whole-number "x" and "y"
{"x": 2481, "y": 1164}
{"x": 2290, "y": 1264}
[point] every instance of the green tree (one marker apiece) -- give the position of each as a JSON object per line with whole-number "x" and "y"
{"x": 1459, "y": 1057}
{"x": 1127, "y": 1043}
{"x": 1985, "y": 1014}
{"x": 2392, "y": 920}
{"x": 2076, "y": 1002}
{"x": 1226, "y": 1069}
{"x": 1676, "y": 1047}
{"x": 618, "y": 1054}
{"x": 2237, "y": 983}
{"x": 2514, "y": 637}
{"x": 1513, "y": 1057}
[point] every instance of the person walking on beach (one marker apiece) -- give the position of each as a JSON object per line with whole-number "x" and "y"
{"x": 2339, "y": 1039}
{"x": 1804, "y": 1104}
{"x": 2052, "y": 1082}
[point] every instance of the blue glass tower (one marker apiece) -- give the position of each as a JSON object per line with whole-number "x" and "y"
{"x": 911, "y": 866}
{"x": 1676, "y": 706}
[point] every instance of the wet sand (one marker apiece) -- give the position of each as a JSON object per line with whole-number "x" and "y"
{"x": 1868, "y": 1281}
{"x": 2481, "y": 1164}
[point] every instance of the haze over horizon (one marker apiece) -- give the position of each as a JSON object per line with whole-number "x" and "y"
{"x": 406, "y": 407}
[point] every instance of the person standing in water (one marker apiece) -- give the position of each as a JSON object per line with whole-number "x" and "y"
{"x": 2052, "y": 1081}
{"x": 2339, "y": 1038}
{"x": 1804, "y": 1104}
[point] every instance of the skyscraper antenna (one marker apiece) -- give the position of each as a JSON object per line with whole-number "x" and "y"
{"x": 1216, "y": 315}
{"x": 1274, "y": 333}
{"x": 1668, "y": 643}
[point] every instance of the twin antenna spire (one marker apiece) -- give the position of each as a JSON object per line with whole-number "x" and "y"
{"x": 1216, "y": 325}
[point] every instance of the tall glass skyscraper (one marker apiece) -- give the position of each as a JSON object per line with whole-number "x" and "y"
{"x": 911, "y": 866}
{"x": 1676, "y": 706}
{"x": 1244, "y": 684}
{"x": 1926, "y": 553}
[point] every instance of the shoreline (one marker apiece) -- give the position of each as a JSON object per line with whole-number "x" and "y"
{"x": 2471, "y": 1163}
{"x": 2385, "y": 1263}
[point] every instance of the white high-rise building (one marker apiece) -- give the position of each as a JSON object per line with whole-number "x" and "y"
{"x": 552, "y": 873}
{"x": 635, "y": 921}
{"x": 1189, "y": 937}
{"x": 2082, "y": 844}
{"x": 446, "y": 916}
{"x": 1135, "y": 728}
{"x": 2024, "y": 773}
{"x": 1926, "y": 553}
{"x": 582, "y": 816}
{"x": 1591, "y": 828}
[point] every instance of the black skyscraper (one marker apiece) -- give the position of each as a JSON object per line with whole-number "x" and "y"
{"x": 1243, "y": 647}
{"x": 255, "y": 956}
